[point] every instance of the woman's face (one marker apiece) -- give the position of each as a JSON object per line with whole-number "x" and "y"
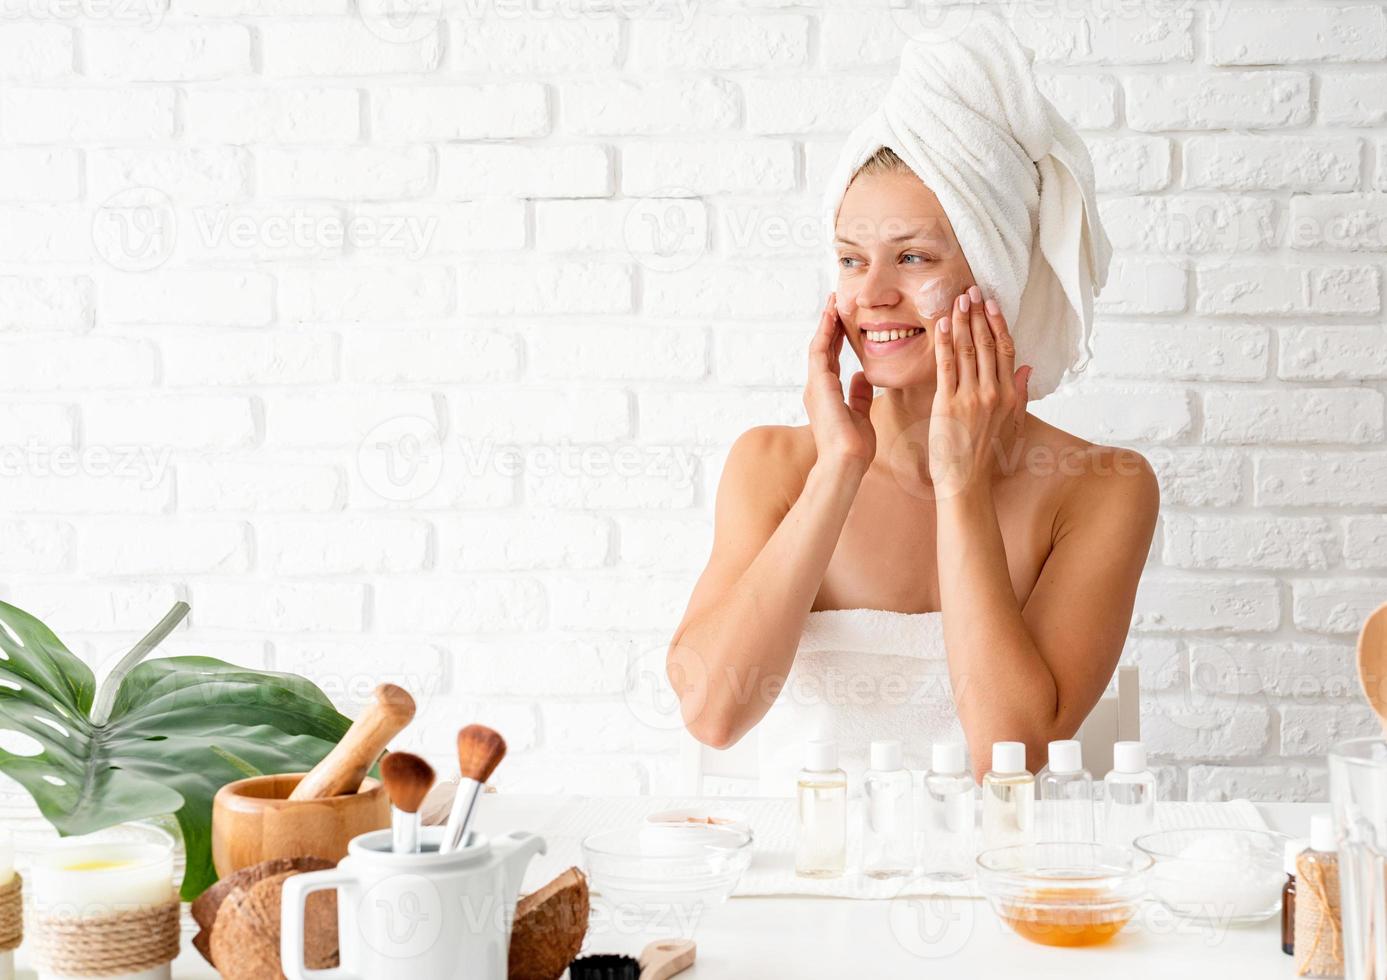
{"x": 899, "y": 270}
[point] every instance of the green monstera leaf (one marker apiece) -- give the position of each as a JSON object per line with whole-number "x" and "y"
{"x": 162, "y": 737}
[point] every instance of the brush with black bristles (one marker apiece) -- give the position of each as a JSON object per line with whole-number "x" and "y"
{"x": 480, "y": 750}
{"x": 659, "y": 960}
{"x": 408, "y": 780}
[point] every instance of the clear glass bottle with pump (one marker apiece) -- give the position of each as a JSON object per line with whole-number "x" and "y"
{"x": 822, "y": 848}
{"x": 1129, "y": 796}
{"x": 1066, "y": 795}
{"x": 948, "y": 843}
{"x": 888, "y": 831}
{"x": 1008, "y": 798}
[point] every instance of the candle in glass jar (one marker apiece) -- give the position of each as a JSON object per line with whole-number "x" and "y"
{"x": 6, "y": 876}
{"x": 102, "y": 878}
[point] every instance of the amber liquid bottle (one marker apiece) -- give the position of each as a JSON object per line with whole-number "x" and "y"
{"x": 1293, "y": 849}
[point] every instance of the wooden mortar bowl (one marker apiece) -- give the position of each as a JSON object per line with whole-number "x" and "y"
{"x": 253, "y": 820}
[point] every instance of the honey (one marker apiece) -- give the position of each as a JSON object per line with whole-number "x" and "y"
{"x": 1065, "y": 916}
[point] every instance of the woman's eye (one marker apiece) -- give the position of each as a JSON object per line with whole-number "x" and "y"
{"x": 920, "y": 259}
{"x": 846, "y": 261}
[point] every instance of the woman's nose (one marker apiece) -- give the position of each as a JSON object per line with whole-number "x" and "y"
{"x": 880, "y": 288}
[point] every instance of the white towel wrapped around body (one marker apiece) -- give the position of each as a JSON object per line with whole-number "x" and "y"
{"x": 1013, "y": 177}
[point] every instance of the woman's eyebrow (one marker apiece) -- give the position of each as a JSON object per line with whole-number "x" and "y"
{"x": 904, "y": 236}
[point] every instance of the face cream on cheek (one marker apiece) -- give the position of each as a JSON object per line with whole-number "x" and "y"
{"x": 936, "y": 296}
{"x": 845, "y": 301}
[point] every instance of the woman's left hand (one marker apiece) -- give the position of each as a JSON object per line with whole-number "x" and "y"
{"x": 980, "y": 399}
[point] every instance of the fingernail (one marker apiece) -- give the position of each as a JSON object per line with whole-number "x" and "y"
{"x": 976, "y": 293}
{"x": 992, "y": 306}
{"x": 963, "y": 303}
{"x": 942, "y": 325}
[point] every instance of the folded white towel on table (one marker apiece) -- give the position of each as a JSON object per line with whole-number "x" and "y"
{"x": 1013, "y": 177}
{"x": 774, "y": 825}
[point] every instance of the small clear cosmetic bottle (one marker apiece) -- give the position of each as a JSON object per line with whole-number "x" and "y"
{"x": 1008, "y": 798}
{"x": 822, "y": 849}
{"x": 948, "y": 843}
{"x": 1129, "y": 796}
{"x": 888, "y": 830}
{"x": 1066, "y": 795}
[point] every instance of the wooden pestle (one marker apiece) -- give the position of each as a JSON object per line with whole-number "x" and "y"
{"x": 1372, "y": 662}
{"x": 342, "y": 770}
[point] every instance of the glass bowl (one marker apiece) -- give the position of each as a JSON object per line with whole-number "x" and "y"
{"x": 1061, "y": 893}
{"x": 1217, "y": 874}
{"x": 672, "y": 869}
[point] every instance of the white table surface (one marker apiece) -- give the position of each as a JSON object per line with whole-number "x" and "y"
{"x": 755, "y": 938}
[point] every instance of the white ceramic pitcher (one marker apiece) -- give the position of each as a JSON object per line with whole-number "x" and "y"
{"x": 425, "y": 916}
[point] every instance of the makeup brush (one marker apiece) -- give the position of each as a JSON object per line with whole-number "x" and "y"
{"x": 342, "y": 770}
{"x": 480, "y": 750}
{"x": 408, "y": 780}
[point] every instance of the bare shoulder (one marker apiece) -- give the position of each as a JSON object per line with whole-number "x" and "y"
{"x": 1097, "y": 479}
{"x": 776, "y": 459}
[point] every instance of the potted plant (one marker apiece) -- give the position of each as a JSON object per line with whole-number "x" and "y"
{"x": 158, "y": 737}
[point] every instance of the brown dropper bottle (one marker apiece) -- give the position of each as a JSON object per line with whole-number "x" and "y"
{"x": 1293, "y": 849}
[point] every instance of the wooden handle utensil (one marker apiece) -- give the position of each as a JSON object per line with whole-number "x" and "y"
{"x": 1372, "y": 662}
{"x": 342, "y": 770}
{"x": 664, "y": 958}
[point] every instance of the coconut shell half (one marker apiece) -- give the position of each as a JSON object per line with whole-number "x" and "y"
{"x": 245, "y": 937}
{"x": 204, "y": 909}
{"x": 550, "y": 925}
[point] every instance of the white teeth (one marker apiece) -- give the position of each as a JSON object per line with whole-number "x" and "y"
{"x": 881, "y": 336}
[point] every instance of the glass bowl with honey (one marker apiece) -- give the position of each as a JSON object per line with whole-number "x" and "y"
{"x": 1062, "y": 893}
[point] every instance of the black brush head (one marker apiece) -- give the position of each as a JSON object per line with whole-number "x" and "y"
{"x": 604, "y": 966}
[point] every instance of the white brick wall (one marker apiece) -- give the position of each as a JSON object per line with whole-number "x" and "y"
{"x": 410, "y": 348}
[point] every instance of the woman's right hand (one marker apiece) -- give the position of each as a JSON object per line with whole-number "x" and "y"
{"x": 842, "y": 430}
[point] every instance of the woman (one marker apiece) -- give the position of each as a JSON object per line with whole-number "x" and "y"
{"x": 936, "y": 530}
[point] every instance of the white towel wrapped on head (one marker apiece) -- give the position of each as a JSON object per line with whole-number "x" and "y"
{"x": 1013, "y": 177}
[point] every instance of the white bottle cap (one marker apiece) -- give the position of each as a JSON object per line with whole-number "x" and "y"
{"x": 1322, "y": 833}
{"x": 1008, "y": 757}
{"x": 822, "y": 755}
{"x": 886, "y": 755}
{"x": 947, "y": 757}
{"x": 1128, "y": 757}
{"x": 1066, "y": 756}
{"x": 1293, "y": 849}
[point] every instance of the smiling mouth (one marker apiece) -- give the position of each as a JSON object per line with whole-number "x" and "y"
{"x": 885, "y": 336}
